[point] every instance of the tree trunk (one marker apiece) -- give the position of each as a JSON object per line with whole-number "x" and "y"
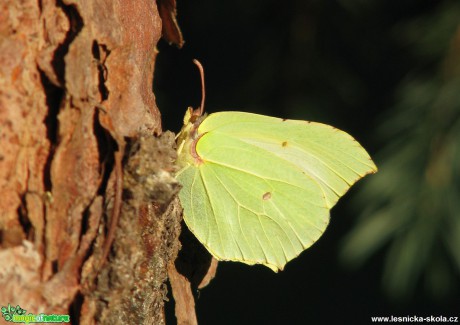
{"x": 77, "y": 125}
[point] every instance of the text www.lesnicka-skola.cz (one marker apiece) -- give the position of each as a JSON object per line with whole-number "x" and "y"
{"x": 414, "y": 319}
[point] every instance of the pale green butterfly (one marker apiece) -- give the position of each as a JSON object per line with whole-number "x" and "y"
{"x": 258, "y": 189}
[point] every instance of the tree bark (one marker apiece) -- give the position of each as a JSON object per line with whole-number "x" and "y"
{"x": 88, "y": 217}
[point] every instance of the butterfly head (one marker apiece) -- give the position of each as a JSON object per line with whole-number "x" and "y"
{"x": 188, "y": 136}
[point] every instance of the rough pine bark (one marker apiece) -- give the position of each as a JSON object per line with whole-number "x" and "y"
{"x": 88, "y": 217}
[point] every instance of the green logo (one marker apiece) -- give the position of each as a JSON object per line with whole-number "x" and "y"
{"x": 18, "y": 315}
{"x": 9, "y": 312}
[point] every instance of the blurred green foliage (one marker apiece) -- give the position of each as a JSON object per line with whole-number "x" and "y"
{"x": 413, "y": 203}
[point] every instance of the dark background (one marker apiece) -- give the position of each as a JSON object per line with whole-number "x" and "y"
{"x": 352, "y": 64}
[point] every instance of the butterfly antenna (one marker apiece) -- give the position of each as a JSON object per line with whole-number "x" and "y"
{"x": 203, "y": 93}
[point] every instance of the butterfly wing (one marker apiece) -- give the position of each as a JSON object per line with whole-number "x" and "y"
{"x": 264, "y": 187}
